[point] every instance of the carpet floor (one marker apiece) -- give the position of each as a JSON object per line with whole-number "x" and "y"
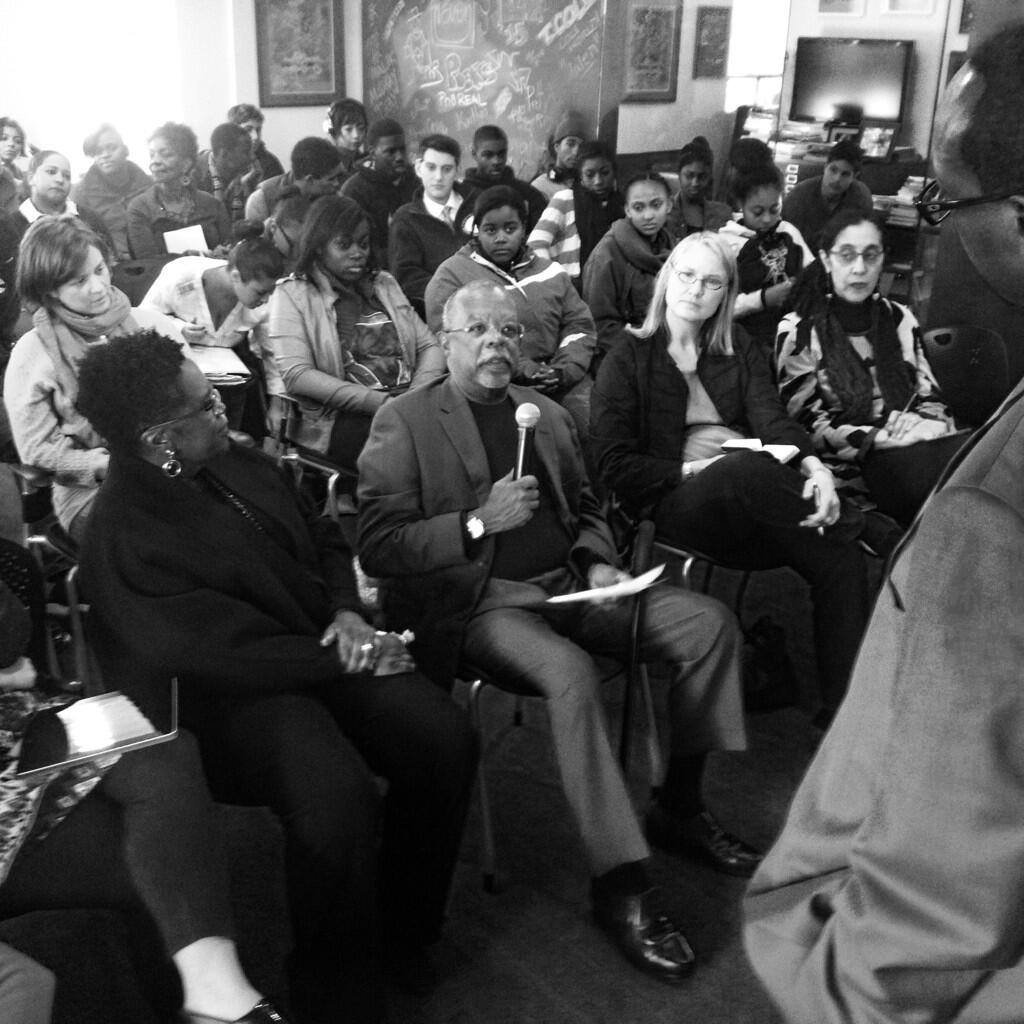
{"x": 529, "y": 953}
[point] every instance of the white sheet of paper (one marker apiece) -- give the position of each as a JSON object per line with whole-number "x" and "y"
{"x": 633, "y": 586}
{"x": 216, "y": 362}
{"x": 187, "y": 239}
{"x": 780, "y": 452}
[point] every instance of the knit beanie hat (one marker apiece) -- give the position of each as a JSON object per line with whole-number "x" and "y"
{"x": 571, "y": 123}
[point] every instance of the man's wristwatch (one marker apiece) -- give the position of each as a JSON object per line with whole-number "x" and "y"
{"x": 474, "y": 526}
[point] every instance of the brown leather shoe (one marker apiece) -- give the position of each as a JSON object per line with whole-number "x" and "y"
{"x": 647, "y": 937}
{"x": 701, "y": 838}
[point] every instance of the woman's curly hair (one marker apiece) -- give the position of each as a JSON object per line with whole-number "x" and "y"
{"x": 128, "y": 384}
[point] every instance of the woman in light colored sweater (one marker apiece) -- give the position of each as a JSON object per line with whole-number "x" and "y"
{"x": 63, "y": 274}
{"x": 343, "y": 335}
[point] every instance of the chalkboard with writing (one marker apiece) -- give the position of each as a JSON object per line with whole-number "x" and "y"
{"x": 452, "y": 65}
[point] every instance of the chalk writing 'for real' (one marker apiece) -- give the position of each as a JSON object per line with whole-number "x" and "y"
{"x": 564, "y": 20}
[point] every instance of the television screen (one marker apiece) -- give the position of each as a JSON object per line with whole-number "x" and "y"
{"x": 866, "y": 73}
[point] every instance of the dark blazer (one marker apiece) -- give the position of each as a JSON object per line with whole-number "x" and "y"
{"x": 423, "y": 467}
{"x": 180, "y": 584}
{"x": 894, "y": 891}
{"x": 418, "y": 243}
{"x": 638, "y": 412}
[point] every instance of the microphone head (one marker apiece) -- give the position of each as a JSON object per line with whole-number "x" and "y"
{"x": 527, "y": 415}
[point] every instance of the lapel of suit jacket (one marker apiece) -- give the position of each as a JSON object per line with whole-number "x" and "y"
{"x": 458, "y": 423}
{"x": 954, "y": 464}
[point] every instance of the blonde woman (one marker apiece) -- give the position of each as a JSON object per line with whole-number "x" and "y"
{"x": 665, "y": 401}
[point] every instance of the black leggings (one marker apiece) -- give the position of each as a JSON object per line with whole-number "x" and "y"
{"x": 146, "y": 833}
{"x": 744, "y": 510}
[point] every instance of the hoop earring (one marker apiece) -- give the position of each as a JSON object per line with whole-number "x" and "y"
{"x": 172, "y": 464}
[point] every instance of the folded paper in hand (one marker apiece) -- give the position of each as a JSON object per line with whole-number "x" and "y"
{"x": 616, "y": 590}
{"x": 780, "y": 452}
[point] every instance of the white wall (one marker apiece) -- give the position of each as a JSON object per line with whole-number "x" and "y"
{"x": 697, "y": 110}
{"x": 76, "y": 69}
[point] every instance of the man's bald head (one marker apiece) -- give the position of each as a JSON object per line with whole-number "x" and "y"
{"x": 482, "y": 290}
{"x": 978, "y": 150}
{"x": 480, "y": 337}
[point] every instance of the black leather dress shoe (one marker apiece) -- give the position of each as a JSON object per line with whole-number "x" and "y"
{"x": 702, "y": 838}
{"x": 648, "y": 938}
{"x": 264, "y": 1012}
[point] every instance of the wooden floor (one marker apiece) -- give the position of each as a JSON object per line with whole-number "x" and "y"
{"x": 529, "y": 954}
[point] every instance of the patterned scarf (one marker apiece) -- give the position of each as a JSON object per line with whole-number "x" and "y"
{"x": 65, "y": 336}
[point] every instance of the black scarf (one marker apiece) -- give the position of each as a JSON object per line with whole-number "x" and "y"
{"x": 849, "y": 377}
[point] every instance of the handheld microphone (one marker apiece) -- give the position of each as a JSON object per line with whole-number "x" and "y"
{"x": 527, "y": 415}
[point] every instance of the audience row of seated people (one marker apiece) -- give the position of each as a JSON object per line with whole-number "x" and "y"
{"x": 191, "y": 527}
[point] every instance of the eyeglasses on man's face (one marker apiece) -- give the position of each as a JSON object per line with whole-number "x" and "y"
{"x": 478, "y": 330}
{"x": 934, "y": 209}
{"x": 847, "y": 255}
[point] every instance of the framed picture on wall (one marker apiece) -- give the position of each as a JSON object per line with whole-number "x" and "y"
{"x": 300, "y": 52}
{"x": 712, "y": 46}
{"x": 850, "y": 8}
{"x": 916, "y": 7}
{"x": 652, "y": 50}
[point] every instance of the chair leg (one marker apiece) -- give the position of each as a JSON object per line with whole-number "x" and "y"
{"x": 487, "y": 854}
{"x": 654, "y": 759}
{"x": 81, "y": 680}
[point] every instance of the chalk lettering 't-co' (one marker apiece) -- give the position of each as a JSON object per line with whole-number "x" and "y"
{"x": 564, "y": 20}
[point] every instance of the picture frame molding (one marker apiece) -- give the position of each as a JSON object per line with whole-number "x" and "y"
{"x": 271, "y": 97}
{"x": 855, "y": 9}
{"x": 706, "y": 62}
{"x": 670, "y": 65}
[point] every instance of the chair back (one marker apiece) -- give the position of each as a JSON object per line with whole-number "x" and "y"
{"x": 136, "y": 277}
{"x": 22, "y": 575}
{"x": 971, "y": 369}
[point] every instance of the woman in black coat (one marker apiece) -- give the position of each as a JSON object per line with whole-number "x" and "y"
{"x": 665, "y": 402}
{"x": 200, "y": 563}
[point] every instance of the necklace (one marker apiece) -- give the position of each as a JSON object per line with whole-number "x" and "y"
{"x": 180, "y": 211}
{"x": 221, "y": 490}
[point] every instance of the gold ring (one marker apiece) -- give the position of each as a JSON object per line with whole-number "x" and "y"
{"x": 366, "y": 647}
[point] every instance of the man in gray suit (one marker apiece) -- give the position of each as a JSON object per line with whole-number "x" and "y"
{"x": 896, "y": 890}
{"x": 471, "y": 556}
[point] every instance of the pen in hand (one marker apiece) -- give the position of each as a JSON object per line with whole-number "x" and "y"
{"x": 897, "y": 428}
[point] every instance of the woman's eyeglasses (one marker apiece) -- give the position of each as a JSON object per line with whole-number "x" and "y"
{"x": 933, "y": 209}
{"x": 210, "y": 404}
{"x": 689, "y": 278}
{"x": 846, "y": 255}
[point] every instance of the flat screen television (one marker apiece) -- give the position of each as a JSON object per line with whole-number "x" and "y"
{"x": 867, "y": 73}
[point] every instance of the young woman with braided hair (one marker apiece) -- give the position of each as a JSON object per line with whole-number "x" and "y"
{"x": 852, "y": 372}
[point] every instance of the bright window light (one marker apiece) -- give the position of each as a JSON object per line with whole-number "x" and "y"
{"x": 757, "y": 53}
{"x": 79, "y": 65}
